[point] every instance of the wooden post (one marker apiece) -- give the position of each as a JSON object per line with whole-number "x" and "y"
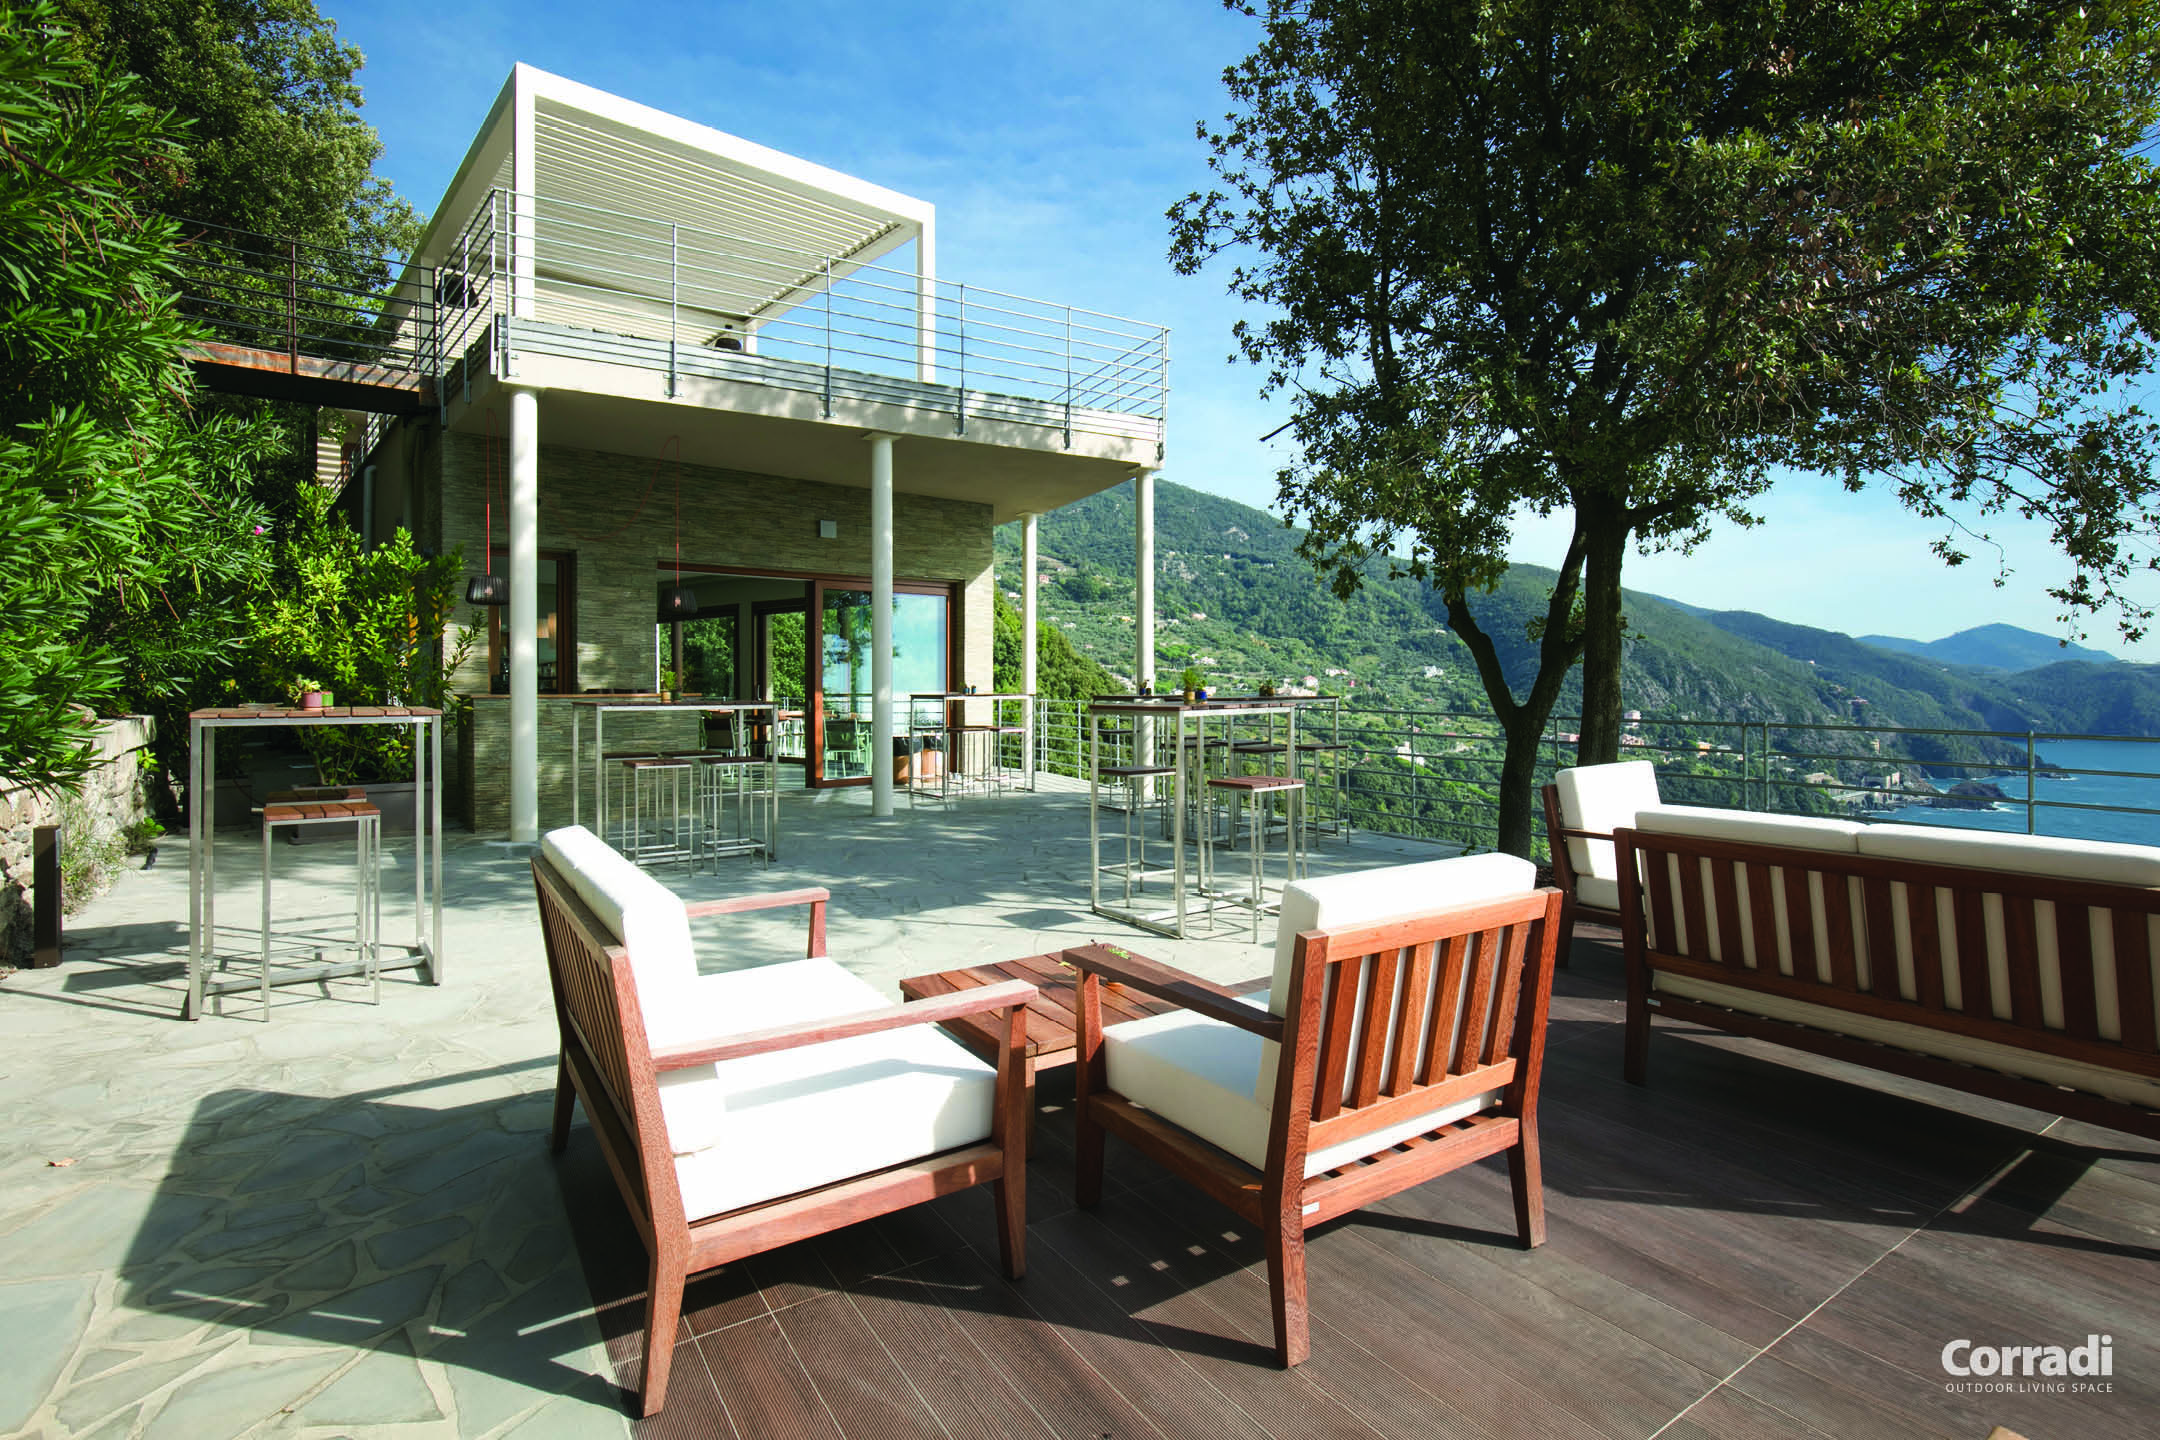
{"x": 45, "y": 896}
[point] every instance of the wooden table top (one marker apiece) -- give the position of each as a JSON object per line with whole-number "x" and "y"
{"x": 1053, "y": 1014}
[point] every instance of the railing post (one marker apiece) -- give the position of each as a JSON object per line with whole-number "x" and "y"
{"x": 960, "y": 427}
{"x": 2031, "y": 789}
{"x": 674, "y": 302}
{"x": 292, "y": 307}
{"x": 1068, "y": 377}
{"x": 828, "y": 343}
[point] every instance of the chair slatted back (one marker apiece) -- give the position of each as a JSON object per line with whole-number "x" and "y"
{"x": 596, "y": 1006}
{"x": 1388, "y": 1022}
{"x": 2035, "y": 962}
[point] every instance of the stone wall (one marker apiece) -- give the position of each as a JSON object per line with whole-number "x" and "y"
{"x": 486, "y": 743}
{"x": 113, "y": 797}
{"x": 616, "y": 514}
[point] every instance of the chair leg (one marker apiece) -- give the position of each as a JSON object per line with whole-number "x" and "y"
{"x": 1010, "y": 1197}
{"x": 1635, "y": 1053}
{"x": 1526, "y": 1175}
{"x": 663, "y": 1311}
{"x": 565, "y": 1102}
{"x": 1286, "y": 1288}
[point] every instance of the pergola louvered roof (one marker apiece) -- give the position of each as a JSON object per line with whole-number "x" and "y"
{"x": 600, "y": 164}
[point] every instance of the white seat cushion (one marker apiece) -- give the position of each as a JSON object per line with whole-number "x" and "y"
{"x": 644, "y": 915}
{"x": 1602, "y": 798}
{"x": 1591, "y": 890}
{"x": 1376, "y": 897}
{"x": 754, "y": 1129}
{"x": 1202, "y": 1075}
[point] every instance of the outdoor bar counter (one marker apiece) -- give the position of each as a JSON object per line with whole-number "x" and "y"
{"x": 484, "y": 752}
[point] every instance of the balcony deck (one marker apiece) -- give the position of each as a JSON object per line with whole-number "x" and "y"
{"x": 345, "y": 1222}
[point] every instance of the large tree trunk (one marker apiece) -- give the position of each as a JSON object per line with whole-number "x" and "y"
{"x": 1604, "y": 528}
{"x": 1523, "y": 721}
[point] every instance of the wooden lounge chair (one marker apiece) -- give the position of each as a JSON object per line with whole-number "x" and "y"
{"x": 1402, "y": 1037}
{"x": 745, "y": 1110}
{"x": 1583, "y": 806}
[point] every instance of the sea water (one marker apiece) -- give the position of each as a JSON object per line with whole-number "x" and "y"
{"x": 2136, "y": 783}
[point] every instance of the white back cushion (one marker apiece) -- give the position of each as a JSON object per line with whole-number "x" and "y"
{"x": 2100, "y": 861}
{"x": 646, "y": 916}
{"x": 1750, "y": 827}
{"x": 1603, "y": 798}
{"x": 1377, "y": 897}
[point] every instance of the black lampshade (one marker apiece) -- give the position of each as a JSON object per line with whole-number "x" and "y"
{"x": 678, "y": 602}
{"x": 487, "y": 590}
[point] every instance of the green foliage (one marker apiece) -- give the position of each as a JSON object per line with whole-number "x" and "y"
{"x": 1627, "y": 262}
{"x": 1061, "y": 672}
{"x": 89, "y": 854}
{"x": 125, "y": 522}
{"x": 788, "y": 654}
{"x": 271, "y": 97}
{"x": 362, "y": 624}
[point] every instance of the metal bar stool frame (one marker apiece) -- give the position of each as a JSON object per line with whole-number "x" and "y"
{"x": 1251, "y": 795}
{"x": 367, "y": 888}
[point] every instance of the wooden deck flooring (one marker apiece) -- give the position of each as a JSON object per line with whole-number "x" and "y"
{"x": 1758, "y": 1243}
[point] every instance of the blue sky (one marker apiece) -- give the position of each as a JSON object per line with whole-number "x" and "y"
{"x": 1052, "y": 137}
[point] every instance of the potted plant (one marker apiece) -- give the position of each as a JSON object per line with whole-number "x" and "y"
{"x": 309, "y": 693}
{"x": 668, "y": 692}
{"x": 1189, "y": 682}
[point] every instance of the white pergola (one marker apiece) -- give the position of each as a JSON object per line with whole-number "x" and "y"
{"x": 580, "y": 165}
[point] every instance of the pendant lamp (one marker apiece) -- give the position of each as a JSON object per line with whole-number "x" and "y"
{"x": 488, "y": 588}
{"x": 678, "y": 601}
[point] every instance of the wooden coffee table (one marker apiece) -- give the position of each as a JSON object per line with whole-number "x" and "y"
{"x": 1053, "y": 1015}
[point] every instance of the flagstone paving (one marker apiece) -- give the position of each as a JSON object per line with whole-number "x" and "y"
{"x": 346, "y": 1222}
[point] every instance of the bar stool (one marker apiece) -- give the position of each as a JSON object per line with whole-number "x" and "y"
{"x": 1252, "y": 794}
{"x": 656, "y": 779}
{"x": 716, "y": 776}
{"x": 1135, "y": 825}
{"x": 295, "y": 813}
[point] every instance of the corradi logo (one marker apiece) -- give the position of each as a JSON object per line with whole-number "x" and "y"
{"x": 2086, "y": 1369}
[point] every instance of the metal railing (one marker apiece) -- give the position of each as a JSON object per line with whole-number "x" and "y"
{"x": 1435, "y": 775}
{"x": 300, "y": 299}
{"x": 700, "y": 303}
{"x": 560, "y": 277}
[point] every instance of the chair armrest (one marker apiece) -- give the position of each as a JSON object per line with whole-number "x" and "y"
{"x": 1004, "y": 996}
{"x": 736, "y": 905}
{"x": 1179, "y": 987}
{"x": 815, "y": 897}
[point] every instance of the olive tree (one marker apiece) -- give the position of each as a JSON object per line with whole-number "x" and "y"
{"x": 1634, "y": 263}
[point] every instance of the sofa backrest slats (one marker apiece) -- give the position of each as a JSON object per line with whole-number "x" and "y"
{"x": 1514, "y": 954}
{"x": 2133, "y": 978}
{"x": 1997, "y": 954}
{"x": 1881, "y": 931}
{"x": 1454, "y": 953}
{"x": 1968, "y": 919}
{"x": 1838, "y": 920}
{"x": 1403, "y": 1072}
{"x": 1340, "y": 987}
{"x": 1382, "y": 975}
{"x": 2081, "y": 1009}
{"x": 2021, "y": 932}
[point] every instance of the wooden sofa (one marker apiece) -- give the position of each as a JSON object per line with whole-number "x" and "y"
{"x": 2011, "y": 966}
{"x": 744, "y": 1110}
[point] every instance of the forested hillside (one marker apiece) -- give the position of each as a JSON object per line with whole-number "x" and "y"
{"x": 1234, "y": 599}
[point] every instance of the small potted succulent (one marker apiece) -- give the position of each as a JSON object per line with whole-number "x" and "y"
{"x": 1189, "y": 682}
{"x": 310, "y": 693}
{"x": 668, "y": 692}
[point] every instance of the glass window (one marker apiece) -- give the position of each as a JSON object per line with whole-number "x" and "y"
{"x": 556, "y": 646}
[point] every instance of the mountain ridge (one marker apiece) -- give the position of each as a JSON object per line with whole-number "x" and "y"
{"x": 1235, "y": 600}
{"x": 1993, "y": 647}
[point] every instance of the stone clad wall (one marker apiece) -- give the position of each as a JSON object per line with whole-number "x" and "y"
{"x": 487, "y": 743}
{"x": 617, "y": 513}
{"x": 113, "y": 796}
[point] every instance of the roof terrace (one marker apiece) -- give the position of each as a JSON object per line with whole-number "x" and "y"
{"x": 347, "y": 1221}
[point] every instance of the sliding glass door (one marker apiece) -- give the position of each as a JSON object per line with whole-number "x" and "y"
{"x": 921, "y": 635}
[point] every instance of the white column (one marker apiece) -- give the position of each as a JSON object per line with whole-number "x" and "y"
{"x": 524, "y": 193}
{"x": 1027, "y": 603}
{"x": 1144, "y": 578}
{"x": 881, "y": 604}
{"x": 926, "y": 303}
{"x": 524, "y": 617}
